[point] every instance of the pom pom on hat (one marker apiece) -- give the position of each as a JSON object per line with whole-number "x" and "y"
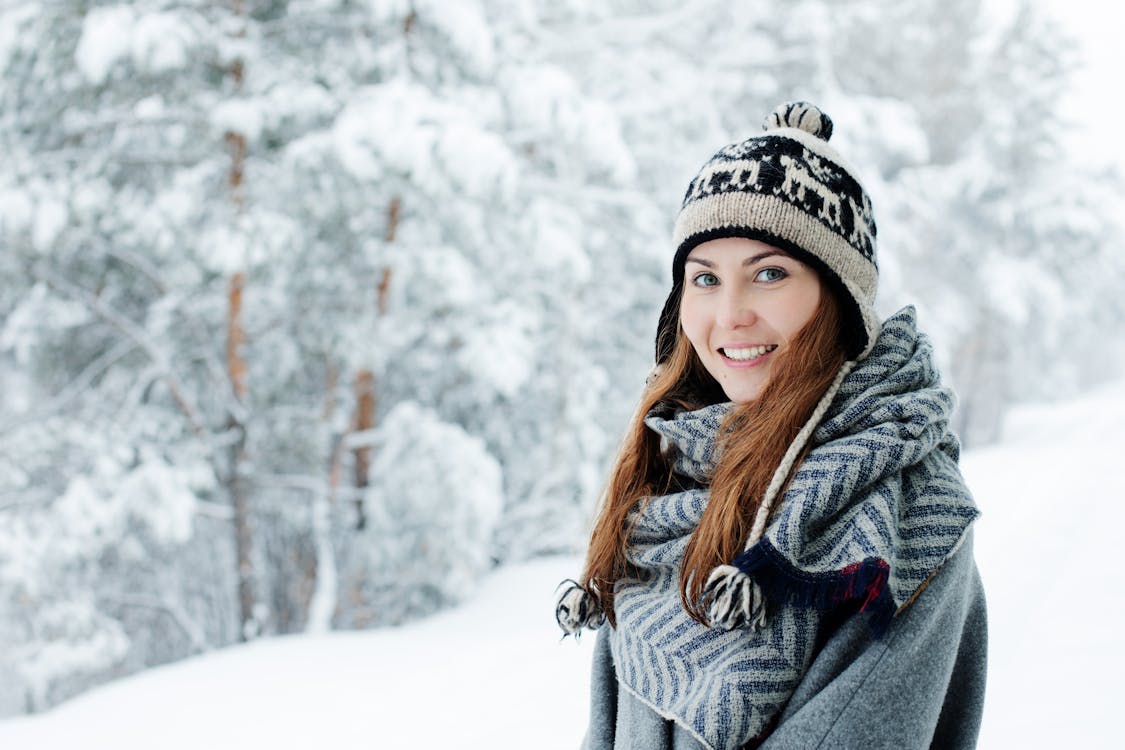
{"x": 802, "y": 116}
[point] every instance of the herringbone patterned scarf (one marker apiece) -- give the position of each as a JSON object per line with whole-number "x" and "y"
{"x": 877, "y": 505}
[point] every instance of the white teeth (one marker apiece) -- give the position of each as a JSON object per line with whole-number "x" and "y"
{"x": 748, "y": 353}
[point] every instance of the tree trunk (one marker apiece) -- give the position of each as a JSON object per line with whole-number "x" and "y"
{"x": 237, "y": 370}
{"x": 322, "y": 604}
{"x": 364, "y": 420}
{"x": 237, "y": 480}
{"x": 365, "y": 394}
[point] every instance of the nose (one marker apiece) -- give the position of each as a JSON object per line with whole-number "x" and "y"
{"x": 735, "y": 310}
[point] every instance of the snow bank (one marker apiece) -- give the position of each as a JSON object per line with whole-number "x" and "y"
{"x": 491, "y": 674}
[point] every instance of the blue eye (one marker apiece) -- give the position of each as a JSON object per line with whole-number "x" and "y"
{"x": 773, "y": 273}
{"x": 706, "y": 278}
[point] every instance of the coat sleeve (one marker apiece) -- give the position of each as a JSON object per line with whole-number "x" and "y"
{"x": 920, "y": 686}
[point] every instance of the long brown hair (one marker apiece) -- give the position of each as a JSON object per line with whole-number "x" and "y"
{"x": 752, "y": 440}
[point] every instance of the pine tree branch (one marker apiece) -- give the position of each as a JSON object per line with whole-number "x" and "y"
{"x": 72, "y": 389}
{"x": 138, "y": 336}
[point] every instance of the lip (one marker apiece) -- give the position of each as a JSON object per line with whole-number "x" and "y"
{"x": 743, "y": 363}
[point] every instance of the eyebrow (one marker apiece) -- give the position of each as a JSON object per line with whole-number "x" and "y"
{"x": 748, "y": 262}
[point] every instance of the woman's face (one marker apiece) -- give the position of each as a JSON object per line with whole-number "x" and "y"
{"x": 743, "y": 303}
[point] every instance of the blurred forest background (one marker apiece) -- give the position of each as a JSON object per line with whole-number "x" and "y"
{"x": 312, "y": 312}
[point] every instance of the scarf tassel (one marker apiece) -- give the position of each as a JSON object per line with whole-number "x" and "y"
{"x": 733, "y": 600}
{"x": 576, "y": 608}
{"x": 862, "y": 586}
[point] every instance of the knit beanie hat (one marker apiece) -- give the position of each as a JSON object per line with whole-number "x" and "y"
{"x": 786, "y": 187}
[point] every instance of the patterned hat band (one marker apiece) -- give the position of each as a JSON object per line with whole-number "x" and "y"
{"x": 790, "y": 189}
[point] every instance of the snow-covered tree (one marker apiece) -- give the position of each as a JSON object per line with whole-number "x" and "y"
{"x": 239, "y": 237}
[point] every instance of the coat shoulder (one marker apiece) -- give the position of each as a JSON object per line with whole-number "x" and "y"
{"x": 920, "y": 686}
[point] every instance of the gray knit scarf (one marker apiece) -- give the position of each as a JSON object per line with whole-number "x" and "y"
{"x": 875, "y": 508}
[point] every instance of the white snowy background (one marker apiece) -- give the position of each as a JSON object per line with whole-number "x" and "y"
{"x": 319, "y": 321}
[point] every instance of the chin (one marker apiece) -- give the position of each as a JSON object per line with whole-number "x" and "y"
{"x": 742, "y": 395}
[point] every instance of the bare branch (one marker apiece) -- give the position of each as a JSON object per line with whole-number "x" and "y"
{"x": 307, "y": 482}
{"x": 312, "y": 484}
{"x": 138, "y": 336}
{"x": 217, "y": 511}
{"x": 140, "y": 264}
{"x": 175, "y": 612}
{"x": 74, "y": 387}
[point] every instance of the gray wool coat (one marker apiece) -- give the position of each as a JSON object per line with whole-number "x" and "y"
{"x": 920, "y": 686}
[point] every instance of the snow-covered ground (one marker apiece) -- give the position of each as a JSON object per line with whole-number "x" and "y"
{"x": 494, "y": 674}
{"x": 493, "y": 670}
{"x": 1049, "y": 547}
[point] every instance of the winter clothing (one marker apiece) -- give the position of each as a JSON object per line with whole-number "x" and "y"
{"x": 875, "y": 508}
{"x": 921, "y": 686}
{"x": 871, "y": 522}
{"x": 789, "y": 188}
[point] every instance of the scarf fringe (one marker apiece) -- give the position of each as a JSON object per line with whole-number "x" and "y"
{"x": 863, "y": 586}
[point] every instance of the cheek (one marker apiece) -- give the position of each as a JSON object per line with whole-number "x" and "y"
{"x": 693, "y": 321}
{"x": 798, "y": 310}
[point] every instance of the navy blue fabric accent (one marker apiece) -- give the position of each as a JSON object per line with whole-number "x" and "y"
{"x": 859, "y": 587}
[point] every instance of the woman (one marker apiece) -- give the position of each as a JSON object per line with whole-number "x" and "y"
{"x": 783, "y": 556}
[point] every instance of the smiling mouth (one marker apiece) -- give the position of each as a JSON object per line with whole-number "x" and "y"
{"x": 746, "y": 354}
